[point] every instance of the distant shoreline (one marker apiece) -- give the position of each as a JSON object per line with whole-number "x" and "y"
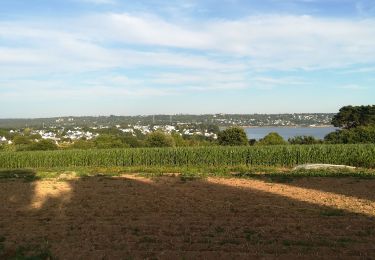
{"x": 318, "y": 126}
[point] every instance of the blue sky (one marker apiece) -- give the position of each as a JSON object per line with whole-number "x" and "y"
{"x": 102, "y": 57}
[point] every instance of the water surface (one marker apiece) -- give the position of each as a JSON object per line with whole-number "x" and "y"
{"x": 288, "y": 132}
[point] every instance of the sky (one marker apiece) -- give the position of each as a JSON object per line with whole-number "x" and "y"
{"x": 120, "y": 57}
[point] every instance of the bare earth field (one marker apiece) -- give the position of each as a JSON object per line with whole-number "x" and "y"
{"x": 132, "y": 217}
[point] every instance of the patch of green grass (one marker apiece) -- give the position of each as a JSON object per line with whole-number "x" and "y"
{"x": 344, "y": 241}
{"x": 2, "y": 240}
{"x": 30, "y": 252}
{"x": 147, "y": 239}
{"x": 332, "y": 213}
{"x": 186, "y": 173}
{"x": 302, "y": 243}
{"x": 280, "y": 178}
{"x": 229, "y": 241}
{"x": 135, "y": 231}
{"x": 189, "y": 176}
{"x": 332, "y": 172}
{"x": 219, "y": 229}
{"x": 40, "y": 254}
{"x": 252, "y": 236}
{"x": 366, "y": 232}
{"x": 317, "y": 242}
{"x": 47, "y": 174}
{"x": 24, "y": 174}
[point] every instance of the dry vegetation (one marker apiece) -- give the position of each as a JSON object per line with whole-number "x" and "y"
{"x": 130, "y": 216}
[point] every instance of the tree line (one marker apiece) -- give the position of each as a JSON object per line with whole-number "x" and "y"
{"x": 356, "y": 123}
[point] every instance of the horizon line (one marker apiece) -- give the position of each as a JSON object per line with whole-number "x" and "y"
{"x": 145, "y": 115}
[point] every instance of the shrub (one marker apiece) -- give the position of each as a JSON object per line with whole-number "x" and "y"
{"x": 233, "y": 136}
{"x": 21, "y": 140}
{"x": 83, "y": 144}
{"x": 361, "y": 134}
{"x": 272, "y": 139}
{"x": 106, "y": 141}
{"x": 43, "y": 145}
{"x": 179, "y": 140}
{"x": 304, "y": 140}
{"x": 159, "y": 139}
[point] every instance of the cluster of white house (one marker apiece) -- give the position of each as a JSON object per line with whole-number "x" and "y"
{"x": 166, "y": 129}
{"x": 47, "y": 135}
{"x": 77, "y": 133}
{"x": 70, "y": 134}
{"x": 4, "y": 140}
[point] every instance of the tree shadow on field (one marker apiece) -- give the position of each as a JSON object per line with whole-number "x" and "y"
{"x": 361, "y": 188}
{"x": 173, "y": 218}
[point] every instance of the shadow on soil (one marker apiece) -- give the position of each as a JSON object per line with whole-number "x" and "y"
{"x": 170, "y": 217}
{"x": 358, "y": 187}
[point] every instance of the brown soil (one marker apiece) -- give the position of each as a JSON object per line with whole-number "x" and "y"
{"x": 172, "y": 218}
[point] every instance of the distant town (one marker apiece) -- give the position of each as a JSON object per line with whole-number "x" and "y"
{"x": 249, "y": 120}
{"x": 70, "y": 129}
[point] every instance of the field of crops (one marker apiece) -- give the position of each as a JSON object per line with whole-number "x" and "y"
{"x": 287, "y": 155}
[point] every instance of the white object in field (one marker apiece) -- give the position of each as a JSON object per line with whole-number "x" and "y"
{"x": 322, "y": 166}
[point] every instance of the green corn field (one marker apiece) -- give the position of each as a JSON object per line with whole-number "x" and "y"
{"x": 360, "y": 155}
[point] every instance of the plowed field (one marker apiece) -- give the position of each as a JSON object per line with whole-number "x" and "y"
{"x": 132, "y": 217}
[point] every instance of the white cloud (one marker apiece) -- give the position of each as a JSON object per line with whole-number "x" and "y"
{"x": 364, "y": 69}
{"x": 265, "y": 42}
{"x": 210, "y": 55}
{"x": 202, "y": 80}
{"x": 57, "y": 89}
{"x": 291, "y": 42}
{"x": 280, "y": 81}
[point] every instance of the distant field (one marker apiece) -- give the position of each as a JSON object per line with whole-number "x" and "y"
{"x": 129, "y": 216}
{"x": 360, "y": 155}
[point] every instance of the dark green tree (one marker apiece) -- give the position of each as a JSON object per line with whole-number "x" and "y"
{"x": 43, "y": 145}
{"x": 21, "y": 140}
{"x": 304, "y": 140}
{"x": 83, "y": 144}
{"x": 132, "y": 141}
{"x": 361, "y": 134}
{"x": 354, "y": 116}
{"x": 5, "y": 133}
{"x": 233, "y": 136}
{"x": 272, "y": 138}
{"x": 178, "y": 140}
{"x": 159, "y": 139}
{"x": 106, "y": 141}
